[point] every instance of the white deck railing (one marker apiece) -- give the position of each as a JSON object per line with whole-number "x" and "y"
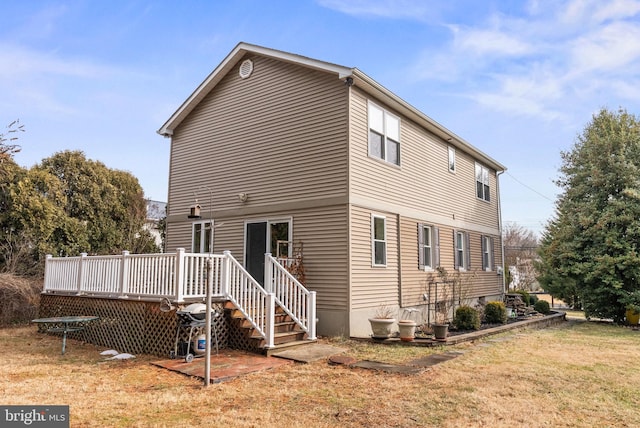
{"x": 182, "y": 276}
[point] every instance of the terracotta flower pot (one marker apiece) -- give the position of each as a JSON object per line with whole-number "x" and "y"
{"x": 407, "y": 330}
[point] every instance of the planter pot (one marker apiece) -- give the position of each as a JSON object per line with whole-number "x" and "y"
{"x": 407, "y": 330}
{"x": 440, "y": 331}
{"x": 632, "y": 317}
{"x": 381, "y": 327}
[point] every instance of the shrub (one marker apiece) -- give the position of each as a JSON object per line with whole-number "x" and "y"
{"x": 495, "y": 312}
{"x": 542, "y": 306}
{"x": 525, "y": 296}
{"x": 533, "y": 299}
{"x": 466, "y": 318}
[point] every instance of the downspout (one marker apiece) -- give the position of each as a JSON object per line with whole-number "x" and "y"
{"x": 504, "y": 287}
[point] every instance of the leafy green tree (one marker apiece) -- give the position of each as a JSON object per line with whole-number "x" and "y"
{"x": 591, "y": 249}
{"x": 68, "y": 205}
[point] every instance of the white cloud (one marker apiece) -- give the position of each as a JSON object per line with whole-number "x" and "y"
{"x": 539, "y": 63}
{"x": 489, "y": 42}
{"x": 396, "y": 9}
{"x": 610, "y": 48}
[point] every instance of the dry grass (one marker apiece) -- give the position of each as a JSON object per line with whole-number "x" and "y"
{"x": 19, "y": 299}
{"x": 580, "y": 374}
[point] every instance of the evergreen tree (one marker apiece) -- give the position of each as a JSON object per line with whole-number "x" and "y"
{"x": 590, "y": 250}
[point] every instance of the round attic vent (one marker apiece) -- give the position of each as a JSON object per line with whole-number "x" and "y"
{"x": 246, "y": 68}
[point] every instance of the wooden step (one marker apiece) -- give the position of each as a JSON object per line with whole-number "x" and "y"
{"x": 281, "y": 338}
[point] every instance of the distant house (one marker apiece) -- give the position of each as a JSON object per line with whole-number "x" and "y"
{"x": 156, "y": 211}
{"x": 293, "y": 156}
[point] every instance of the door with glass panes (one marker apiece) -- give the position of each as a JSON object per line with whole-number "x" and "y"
{"x": 271, "y": 236}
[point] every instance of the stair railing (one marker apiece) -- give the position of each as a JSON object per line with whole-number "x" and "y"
{"x": 250, "y": 298}
{"x": 298, "y": 302}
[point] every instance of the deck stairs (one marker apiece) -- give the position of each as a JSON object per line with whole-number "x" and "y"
{"x": 287, "y": 333}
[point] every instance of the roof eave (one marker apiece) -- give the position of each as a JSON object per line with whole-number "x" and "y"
{"x": 369, "y": 85}
{"x": 228, "y": 63}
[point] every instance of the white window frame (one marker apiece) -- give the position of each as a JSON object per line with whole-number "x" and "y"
{"x": 385, "y": 131}
{"x": 374, "y": 241}
{"x": 451, "y": 163}
{"x": 483, "y": 188}
{"x": 487, "y": 253}
{"x": 428, "y": 238}
{"x": 462, "y": 250}
{"x": 205, "y": 229}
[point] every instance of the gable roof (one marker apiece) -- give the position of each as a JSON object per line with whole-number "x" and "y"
{"x": 355, "y": 77}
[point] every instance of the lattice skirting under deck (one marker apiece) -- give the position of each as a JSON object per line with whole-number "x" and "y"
{"x": 135, "y": 327}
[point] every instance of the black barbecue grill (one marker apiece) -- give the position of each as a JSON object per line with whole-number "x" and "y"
{"x": 192, "y": 318}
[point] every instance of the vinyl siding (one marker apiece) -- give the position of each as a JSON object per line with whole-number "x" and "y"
{"x": 372, "y": 285}
{"x": 415, "y": 281}
{"x": 279, "y": 136}
{"x": 323, "y": 234}
{"x": 422, "y": 182}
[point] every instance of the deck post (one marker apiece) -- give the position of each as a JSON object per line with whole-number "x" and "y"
{"x": 311, "y": 314}
{"x": 268, "y": 273}
{"x": 47, "y": 273}
{"x": 269, "y": 328}
{"x": 225, "y": 277}
{"x": 179, "y": 276}
{"x": 123, "y": 287}
{"x": 80, "y": 273}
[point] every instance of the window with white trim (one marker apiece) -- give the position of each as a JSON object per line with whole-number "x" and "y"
{"x": 487, "y": 253}
{"x": 201, "y": 237}
{"x": 462, "y": 251}
{"x": 379, "y": 240}
{"x": 482, "y": 183}
{"x": 384, "y": 135}
{"x": 452, "y": 159}
{"x": 428, "y": 247}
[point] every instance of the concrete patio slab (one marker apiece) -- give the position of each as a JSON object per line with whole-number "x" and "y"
{"x": 309, "y": 353}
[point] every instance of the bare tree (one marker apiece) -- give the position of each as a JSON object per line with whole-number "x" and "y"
{"x": 520, "y": 252}
{"x": 7, "y": 146}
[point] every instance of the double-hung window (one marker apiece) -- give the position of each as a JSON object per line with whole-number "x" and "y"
{"x": 482, "y": 183}
{"x": 487, "y": 253}
{"x": 428, "y": 247}
{"x": 379, "y": 240}
{"x": 384, "y": 135}
{"x": 201, "y": 237}
{"x": 462, "y": 260}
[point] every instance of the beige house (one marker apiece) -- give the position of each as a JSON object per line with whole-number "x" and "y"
{"x": 293, "y": 156}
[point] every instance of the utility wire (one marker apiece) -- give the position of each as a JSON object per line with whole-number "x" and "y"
{"x": 529, "y": 187}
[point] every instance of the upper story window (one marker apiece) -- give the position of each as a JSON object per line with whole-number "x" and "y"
{"x": 452, "y": 159}
{"x": 482, "y": 183}
{"x": 379, "y": 240}
{"x": 428, "y": 247}
{"x": 384, "y": 135}
{"x": 202, "y": 238}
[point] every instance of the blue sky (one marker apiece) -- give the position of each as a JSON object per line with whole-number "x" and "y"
{"x": 517, "y": 79}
